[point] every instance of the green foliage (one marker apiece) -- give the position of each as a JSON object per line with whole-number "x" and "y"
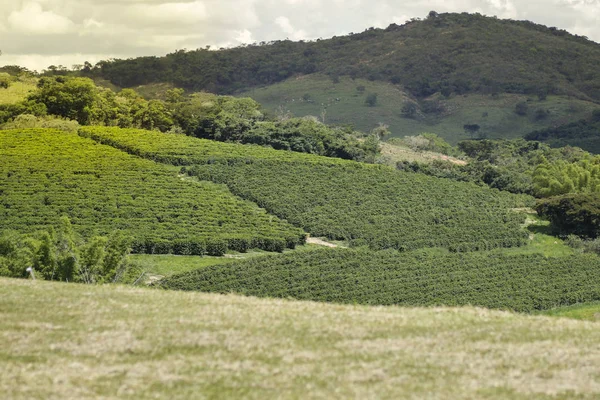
{"x": 240, "y": 120}
{"x": 61, "y": 256}
{"x": 45, "y": 174}
{"x": 80, "y": 100}
{"x": 409, "y": 110}
{"x": 520, "y": 282}
{"x": 5, "y": 80}
{"x": 552, "y": 178}
{"x": 521, "y": 108}
{"x": 577, "y": 214}
{"x": 518, "y": 166}
{"x": 472, "y": 129}
{"x": 71, "y": 98}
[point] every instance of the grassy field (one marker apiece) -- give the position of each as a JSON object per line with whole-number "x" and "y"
{"x": 169, "y": 264}
{"x": 17, "y": 91}
{"x": 309, "y": 95}
{"x": 76, "y": 341}
{"x": 585, "y": 311}
{"x": 163, "y": 265}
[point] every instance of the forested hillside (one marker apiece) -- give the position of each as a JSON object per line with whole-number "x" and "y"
{"x": 447, "y": 53}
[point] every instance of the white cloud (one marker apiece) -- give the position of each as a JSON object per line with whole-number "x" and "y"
{"x": 32, "y": 19}
{"x": 36, "y": 33}
{"x": 244, "y": 37}
{"x": 287, "y": 28}
{"x": 181, "y": 13}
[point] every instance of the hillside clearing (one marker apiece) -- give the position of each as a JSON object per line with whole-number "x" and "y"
{"x": 75, "y": 341}
{"x": 344, "y": 104}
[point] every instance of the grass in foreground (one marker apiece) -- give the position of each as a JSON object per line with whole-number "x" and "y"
{"x": 75, "y": 341}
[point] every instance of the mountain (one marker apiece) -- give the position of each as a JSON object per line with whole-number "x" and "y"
{"x": 447, "y": 53}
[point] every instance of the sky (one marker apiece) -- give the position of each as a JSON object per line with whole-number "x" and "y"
{"x": 39, "y": 33}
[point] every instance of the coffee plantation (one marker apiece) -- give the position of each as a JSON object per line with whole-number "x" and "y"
{"x": 46, "y": 174}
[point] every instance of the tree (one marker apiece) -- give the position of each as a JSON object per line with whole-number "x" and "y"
{"x": 409, "y": 110}
{"x": 371, "y": 99}
{"x": 471, "y": 129}
{"x": 72, "y": 98}
{"x": 521, "y": 108}
{"x": 577, "y": 214}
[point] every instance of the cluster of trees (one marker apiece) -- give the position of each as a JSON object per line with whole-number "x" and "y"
{"x": 576, "y": 214}
{"x": 241, "y": 120}
{"x": 517, "y": 282}
{"x": 80, "y": 100}
{"x": 203, "y": 115}
{"x": 517, "y": 166}
{"x": 447, "y": 53}
{"x": 59, "y": 254}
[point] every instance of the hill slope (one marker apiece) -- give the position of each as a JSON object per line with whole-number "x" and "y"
{"x": 451, "y": 53}
{"x": 344, "y": 102}
{"x": 68, "y": 341}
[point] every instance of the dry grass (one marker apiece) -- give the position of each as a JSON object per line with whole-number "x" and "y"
{"x": 75, "y": 342}
{"x": 395, "y": 153}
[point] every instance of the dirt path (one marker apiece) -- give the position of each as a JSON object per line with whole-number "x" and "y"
{"x": 320, "y": 242}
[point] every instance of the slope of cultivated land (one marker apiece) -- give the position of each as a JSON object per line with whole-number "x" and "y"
{"x": 45, "y": 174}
{"x": 75, "y": 341}
{"x": 515, "y": 282}
{"x": 342, "y": 200}
{"x": 345, "y": 104}
{"x": 187, "y": 150}
{"x": 377, "y": 205}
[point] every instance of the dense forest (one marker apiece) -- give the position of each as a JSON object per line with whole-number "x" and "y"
{"x": 447, "y": 53}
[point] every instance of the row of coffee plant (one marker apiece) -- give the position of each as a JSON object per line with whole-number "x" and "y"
{"x": 47, "y": 174}
{"x": 487, "y": 279}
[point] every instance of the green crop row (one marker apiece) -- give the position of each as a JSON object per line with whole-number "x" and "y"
{"x": 515, "y": 282}
{"x": 45, "y": 174}
{"x": 376, "y": 205}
